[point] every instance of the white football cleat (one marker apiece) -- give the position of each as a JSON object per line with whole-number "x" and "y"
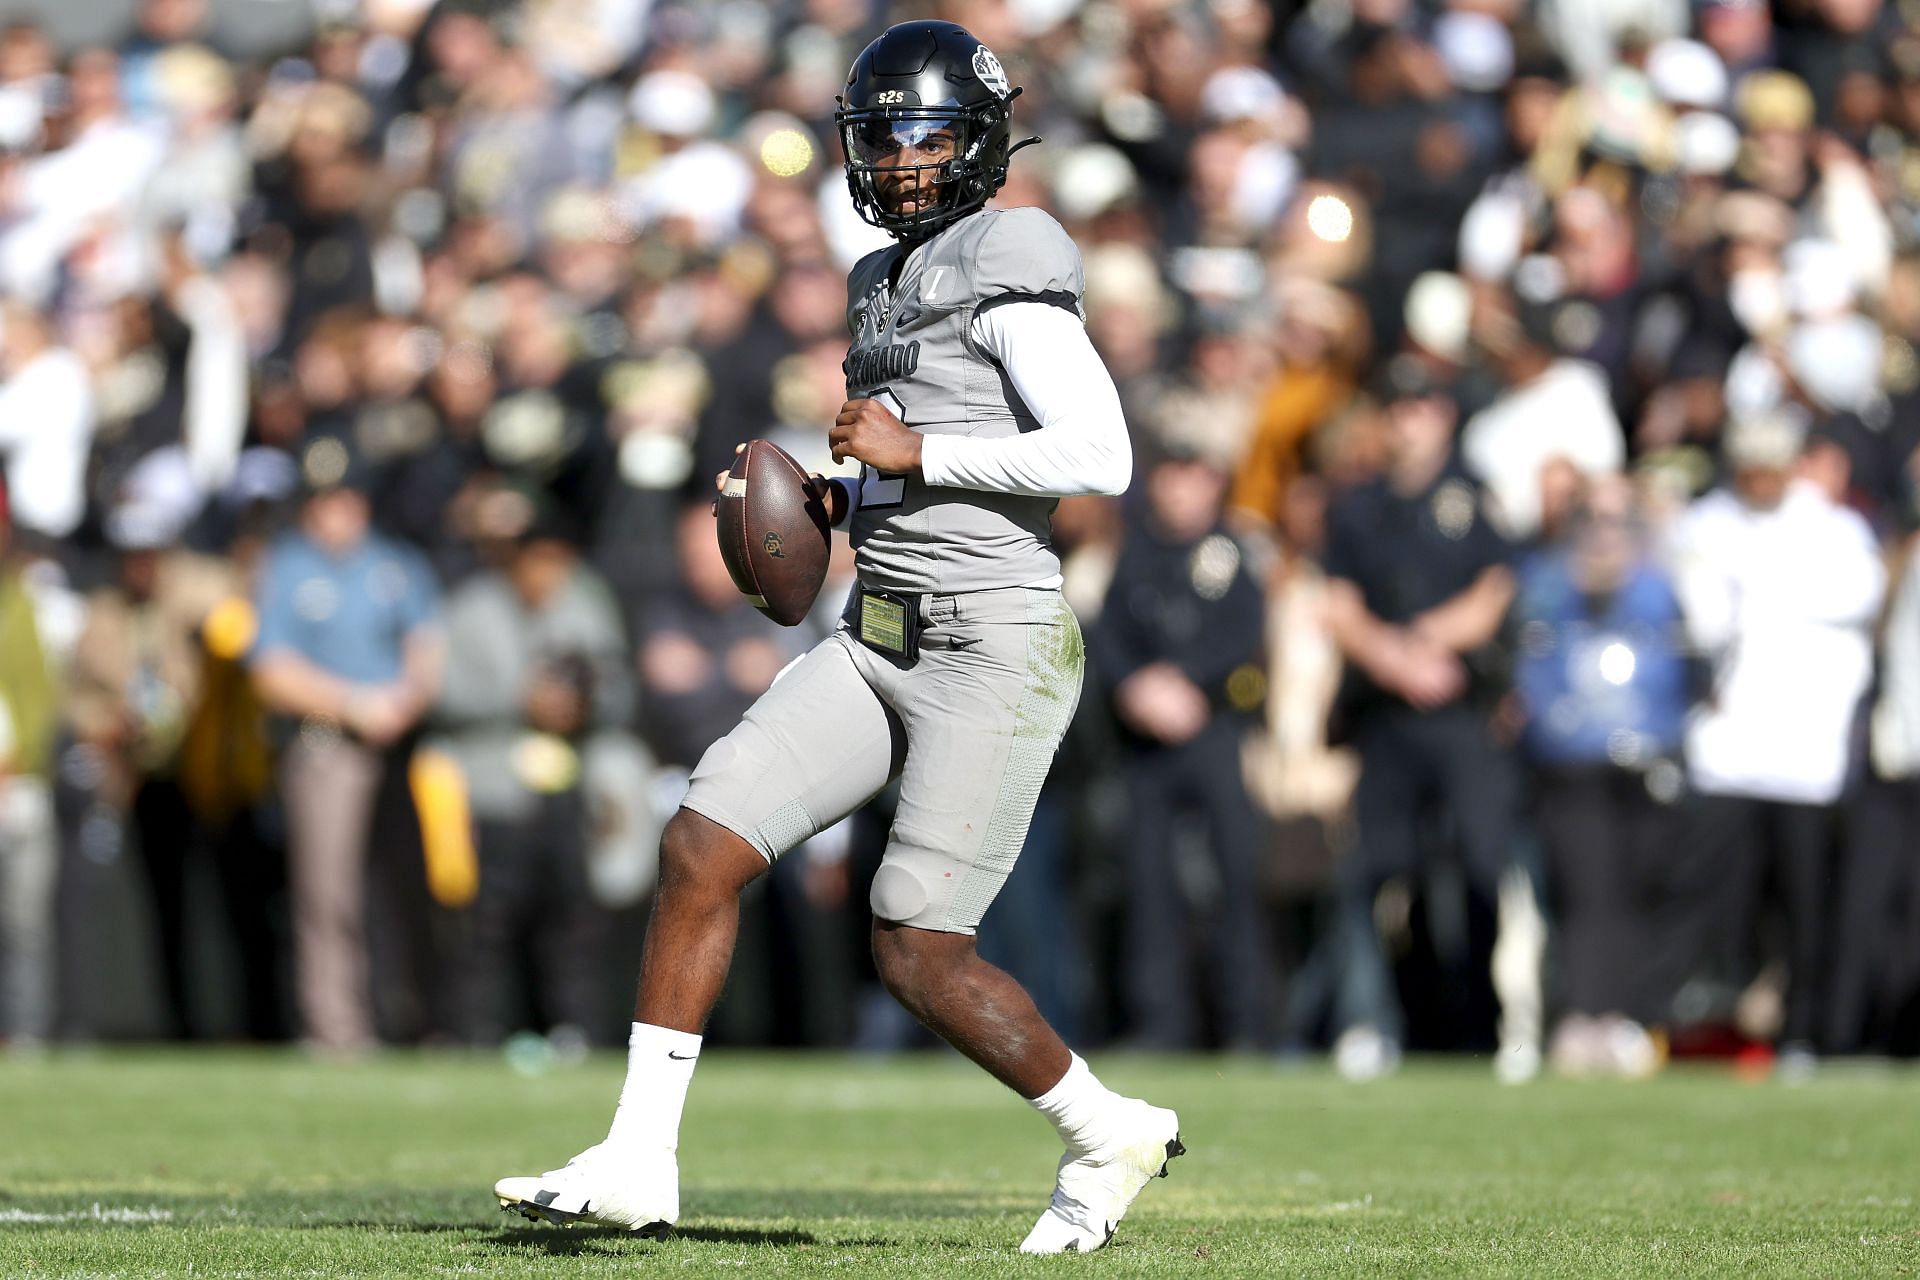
{"x": 1094, "y": 1190}
{"x": 605, "y": 1186}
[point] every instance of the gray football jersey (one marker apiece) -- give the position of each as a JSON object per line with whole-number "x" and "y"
{"x": 913, "y": 349}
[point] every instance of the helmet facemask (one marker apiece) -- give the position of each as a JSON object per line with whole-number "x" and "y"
{"x": 873, "y": 137}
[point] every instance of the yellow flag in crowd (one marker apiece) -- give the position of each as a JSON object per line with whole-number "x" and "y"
{"x": 446, "y": 827}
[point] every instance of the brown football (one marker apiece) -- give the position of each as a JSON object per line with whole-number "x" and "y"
{"x": 773, "y": 532}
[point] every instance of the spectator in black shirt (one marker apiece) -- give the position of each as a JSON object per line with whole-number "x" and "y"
{"x": 1418, "y": 586}
{"x": 1179, "y": 642}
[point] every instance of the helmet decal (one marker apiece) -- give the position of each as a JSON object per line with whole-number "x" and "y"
{"x": 991, "y": 74}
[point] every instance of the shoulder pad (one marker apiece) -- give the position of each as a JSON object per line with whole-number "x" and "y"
{"x": 1014, "y": 255}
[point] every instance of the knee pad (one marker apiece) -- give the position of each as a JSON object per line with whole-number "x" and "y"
{"x": 897, "y": 894}
{"x": 917, "y": 887}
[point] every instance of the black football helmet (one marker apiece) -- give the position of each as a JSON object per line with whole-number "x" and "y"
{"x": 915, "y": 79}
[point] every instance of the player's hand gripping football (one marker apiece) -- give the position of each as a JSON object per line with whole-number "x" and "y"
{"x": 831, "y": 496}
{"x": 867, "y": 431}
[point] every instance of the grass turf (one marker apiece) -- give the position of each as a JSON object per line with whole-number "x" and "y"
{"x": 224, "y": 1163}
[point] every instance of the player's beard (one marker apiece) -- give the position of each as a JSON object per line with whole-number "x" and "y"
{"x": 908, "y": 197}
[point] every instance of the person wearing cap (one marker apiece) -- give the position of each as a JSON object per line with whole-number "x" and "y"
{"x": 1687, "y": 75}
{"x": 134, "y": 687}
{"x": 1781, "y": 588}
{"x": 1418, "y": 585}
{"x": 1604, "y": 685}
{"x": 537, "y": 665}
{"x": 29, "y": 854}
{"x": 1776, "y": 112}
{"x": 168, "y": 748}
{"x": 1177, "y": 650}
{"x": 350, "y": 647}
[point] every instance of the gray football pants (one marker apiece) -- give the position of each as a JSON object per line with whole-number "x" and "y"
{"x": 970, "y": 730}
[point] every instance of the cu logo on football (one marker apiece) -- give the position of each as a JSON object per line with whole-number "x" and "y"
{"x": 773, "y": 546}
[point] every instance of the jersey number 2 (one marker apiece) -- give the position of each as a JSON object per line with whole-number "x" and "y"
{"x": 881, "y": 489}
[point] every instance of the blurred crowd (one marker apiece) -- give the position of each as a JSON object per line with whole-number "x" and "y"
{"x": 1510, "y": 642}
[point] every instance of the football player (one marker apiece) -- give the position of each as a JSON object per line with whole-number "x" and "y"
{"x": 975, "y": 401}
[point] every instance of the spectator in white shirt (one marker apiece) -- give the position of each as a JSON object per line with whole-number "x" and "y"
{"x": 1781, "y": 586}
{"x": 46, "y": 424}
{"x": 1554, "y": 408}
{"x": 93, "y": 171}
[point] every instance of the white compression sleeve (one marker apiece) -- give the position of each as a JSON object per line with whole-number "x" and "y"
{"x": 1081, "y": 446}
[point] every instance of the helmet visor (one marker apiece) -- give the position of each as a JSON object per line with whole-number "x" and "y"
{"x": 878, "y": 142}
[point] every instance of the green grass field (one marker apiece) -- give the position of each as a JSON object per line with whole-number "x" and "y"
{"x": 200, "y": 1163}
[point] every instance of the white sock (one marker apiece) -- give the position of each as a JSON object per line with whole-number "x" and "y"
{"x": 1080, "y": 1107}
{"x": 660, "y": 1063}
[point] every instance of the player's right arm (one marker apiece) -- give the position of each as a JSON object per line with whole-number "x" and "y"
{"x": 842, "y": 496}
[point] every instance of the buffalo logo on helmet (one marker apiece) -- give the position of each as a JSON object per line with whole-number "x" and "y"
{"x": 991, "y": 73}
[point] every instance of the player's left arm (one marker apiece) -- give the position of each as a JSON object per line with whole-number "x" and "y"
{"x": 1022, "y": 277}
{"x": 1081, "y": 446}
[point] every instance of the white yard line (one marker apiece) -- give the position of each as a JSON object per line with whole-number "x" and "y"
{"x": 97, "y": 1213}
